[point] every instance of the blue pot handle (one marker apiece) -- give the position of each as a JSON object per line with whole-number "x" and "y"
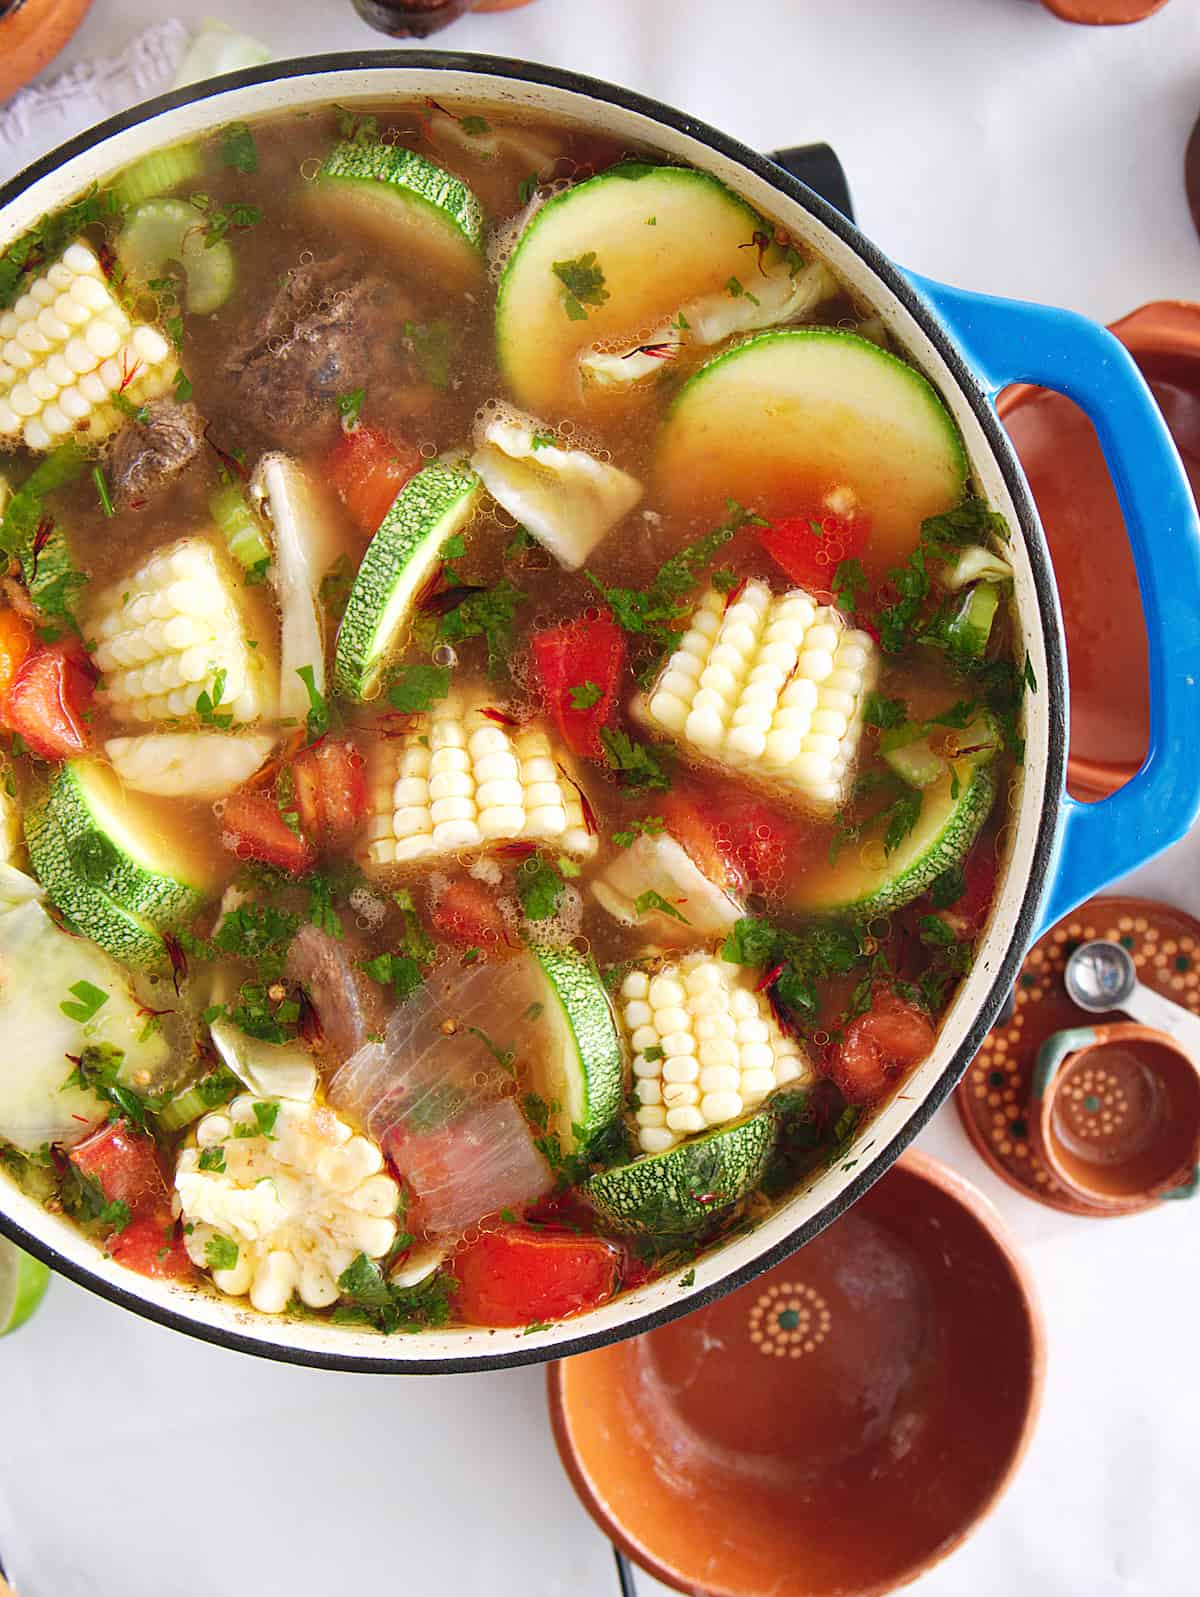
{"x": 1008, "y": 341}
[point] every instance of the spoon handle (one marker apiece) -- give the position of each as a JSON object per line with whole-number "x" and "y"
{"x": 1152, "y": 1009}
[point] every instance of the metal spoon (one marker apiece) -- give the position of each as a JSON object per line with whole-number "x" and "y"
{"x": 1101, "y": 976}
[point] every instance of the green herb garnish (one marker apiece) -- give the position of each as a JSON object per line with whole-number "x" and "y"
{"x": 583, "y": 284}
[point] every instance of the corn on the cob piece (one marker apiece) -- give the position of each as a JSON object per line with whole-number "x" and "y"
{"x": 67, "y": 347}
{"x": 164, "y": 633}
{"x": 461, "y": 781}
{"x": 772, "y": 685}
{"x": 706, "y": 1048}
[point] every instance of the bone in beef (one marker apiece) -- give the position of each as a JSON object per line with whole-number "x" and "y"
{"x": 327, "y": 332}
{"x": 147, "y": 454}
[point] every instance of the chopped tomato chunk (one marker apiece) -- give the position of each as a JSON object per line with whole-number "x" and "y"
{"x": 252, "y": 827}
{"x": 890, "y": 1036}
{"x": 48, "y": 698}
{"x": 16, "y": 641}
{"x": 809, "y": 547}
{"x": 579, "y": 666}
{"x": 516, "y": 1275}
{"x": 368, "y": 468}
{"x": 125, "y": 1163}
{"x": 745, "y": 845}
{"x": 152, "y": 1246}
{"x": 330, "y": 791}
{"x": 467, "y": 913}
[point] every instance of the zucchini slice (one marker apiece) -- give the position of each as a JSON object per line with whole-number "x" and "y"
{"x": 640, "y": 225}
{"x": 400, "y": 559}
{"x": 680, "y": 1191}
{"x": 782, "y": 420}
{"x": 582, "y": 1076}
{"x": 158, "y": 231}
{"x": 405, "y": 203}
{"x": 125, "y": 937}
{"x": 863, "y": 880}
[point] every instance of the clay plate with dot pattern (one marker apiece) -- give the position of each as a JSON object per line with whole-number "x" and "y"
{"x": 836, "y": 1426}
{"x": 993, "y": 1097}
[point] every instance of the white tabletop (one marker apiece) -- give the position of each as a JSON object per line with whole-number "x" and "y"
{"x": 986, "y": 143}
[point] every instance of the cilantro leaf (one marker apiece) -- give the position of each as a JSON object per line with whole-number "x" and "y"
{"x": 638, "y": 766}
{"x": 238, "y": 148}
{"x": 212, "y": 1158}
{"x": 650, "y": 825}
{"x": 90, "y": 999}
{"x": 490, "y": 613}
{"x": 418, "y": 687}
{"x": 652, "y": 900}
{"x": 585, "y": 694}
{"x": 583, "y": 284}
{"x": 209, "y": 702}
{"x": 539, "y": 888}
{"x": 434, "y": 345}
{"x": 878, "y": 710}
{"x": 221, "y": 1253}
{"x": 372, "y": 1299}
{"x": 318, "y": 718}
{"x": 349, "y": 406}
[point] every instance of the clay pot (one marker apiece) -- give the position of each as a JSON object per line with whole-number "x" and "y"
{"x": 1104, "y": 12}
{"x": 1102, "y": 611}
{"x": 417, "y": 19}
{"x": 837, "y": 1426}
{"x": 31, "y": 35}
{"x": 1115, "y": 1115}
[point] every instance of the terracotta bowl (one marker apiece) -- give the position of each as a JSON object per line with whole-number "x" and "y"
{"x": 31, "y": 35}
{"x": 1102, "y": 612}
{"x": 837, "y": 1426}
{"x": 1115, "y": 1115}
{"x": 1104, "y": 12}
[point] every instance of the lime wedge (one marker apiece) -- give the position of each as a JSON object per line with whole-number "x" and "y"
{"x": 23, "y": 1283}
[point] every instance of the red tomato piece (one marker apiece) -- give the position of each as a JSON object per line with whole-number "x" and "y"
{"x": 584, "y": 657}
{"x": 891, "y": 1035}
{"x": 253, "y": 828}
{"x": 467, "y": 913}
{"x": 16, "y": 642}
{"x": 125, "y": 1163}
{"x": 744, "y": 845}
{"x": 330, "y": 791}
{"x": 152, "y": 1246}
{"x": 516, "y": 1275}
{"x": 368, "y": 468}
{"x": 48, "y": 698}
{"x": 809, "y": 547}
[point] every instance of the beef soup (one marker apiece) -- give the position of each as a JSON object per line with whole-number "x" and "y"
{"x": 510, "y": 705}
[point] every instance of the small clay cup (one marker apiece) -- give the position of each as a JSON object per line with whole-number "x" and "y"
{"x": 31, "y": 35}
{"x": 1106, "y": 13}
{"x": 1102, "y": 611}
{"x": 835, "y": 1427}
{"x": 1115, "y": 1115}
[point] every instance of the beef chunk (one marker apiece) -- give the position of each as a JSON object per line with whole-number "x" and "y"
{"x": 145, "y": 455}
{"x": 328, "y": 331}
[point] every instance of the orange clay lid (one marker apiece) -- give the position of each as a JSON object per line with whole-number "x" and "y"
{"x": 836, "y": 1426}
{"x": 1104, "y": 12}
{"x": 31, "y": 35}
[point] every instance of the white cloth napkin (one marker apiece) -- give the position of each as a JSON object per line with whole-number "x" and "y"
{"x": 40, "y": 117}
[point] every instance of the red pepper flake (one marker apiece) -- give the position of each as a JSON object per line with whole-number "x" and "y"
{"x": 500, "y": 717}
{"x": 761, "y": 242}
{"x": 770, "y": 978}
{"x": 74, "y": 1059}
{"x": 308, "y": 1024}
{"x": 229, "y": 461}
{"x": 515, "y": 850}
{"x": 735, "y": 594}
{"x": 40, "y": 539}
{"x": 433, "y": 603}
{"x": 178, "y": 958}
{"x": 667, "y": 351}
{"x": 138, "y": 504}
{"x": 585, "y": 804}
{"x": 128, "y": 372}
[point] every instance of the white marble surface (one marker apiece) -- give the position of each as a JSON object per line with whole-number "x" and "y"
{"x": 996, "y": 147}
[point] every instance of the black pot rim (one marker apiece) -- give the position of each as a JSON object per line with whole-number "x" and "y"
{"x": 1056, "y": 686}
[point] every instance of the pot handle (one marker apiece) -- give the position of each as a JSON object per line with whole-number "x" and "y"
{"x": 1008, "y": 341}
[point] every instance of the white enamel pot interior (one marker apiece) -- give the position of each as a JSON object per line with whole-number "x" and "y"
{"x": 377, "y": 77}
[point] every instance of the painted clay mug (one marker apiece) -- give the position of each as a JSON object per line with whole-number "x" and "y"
{"x": 1115, "y": 1115}
{"x": 417, "y": 19}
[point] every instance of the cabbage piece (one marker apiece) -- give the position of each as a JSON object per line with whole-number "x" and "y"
{"x": 770, "y": 299}
{"x": 271, "y": 1069}
{"x": 567, "y": 498}
{"x": 436, "y": 1095}
{"x": 41, "y": 968}
{"x": 306, "y": 545}
{"x": 217, "y": 48}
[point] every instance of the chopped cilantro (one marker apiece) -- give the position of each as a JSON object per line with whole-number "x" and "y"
{"x": 585, "y": 694}
{"x": 648, "y": 824}
{"x": 183, "y": 386}
{"x": 259, "y": 934}
{"x": 374, "y": 1300}
{"x": 45, "y": 241}
{"x": 849, "y": 580}
{"x": 335, "y": 587}
{"x": 238, "y": 148}
{"x": 90, "y": 999}
{"x": 880, "y": 711}
{"x": 82, "y": 1197}
{"x": 317, "y": 721}
{"x": 689, "y": 1279}
{"x": 583, "y": 284}
{"x": 213, "y": 1158}
{"x": 474, "y": 125}
{"x": 349, "y": 406}
{"x": 490, "y": 613}
{"x": 725, "y": 579}
{"x": 737, "y": 290}
{"x": 98, "y": 1069}
{"x": 321, "y": 910}
{"x": 653, "y": 900}
{"x": 418, "y": 687}
{"x": 805, "y": 959}
{"x": 539, "y": 888}
{"x": 266, "y": 1114}
{"x": 208, "y": 703}
{"x": 220, "y": 1253}
{"x": 434, "y": 345}
{"x": 356, "y": 127}
{"x": 528, "y": 188}
{"x": 948, "y": 888}
{"x": 536, "y": 1325}
{"x": 637, "y": 765}
{"x": 400, "y": 972}
{"x": 652, "y": 1053}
